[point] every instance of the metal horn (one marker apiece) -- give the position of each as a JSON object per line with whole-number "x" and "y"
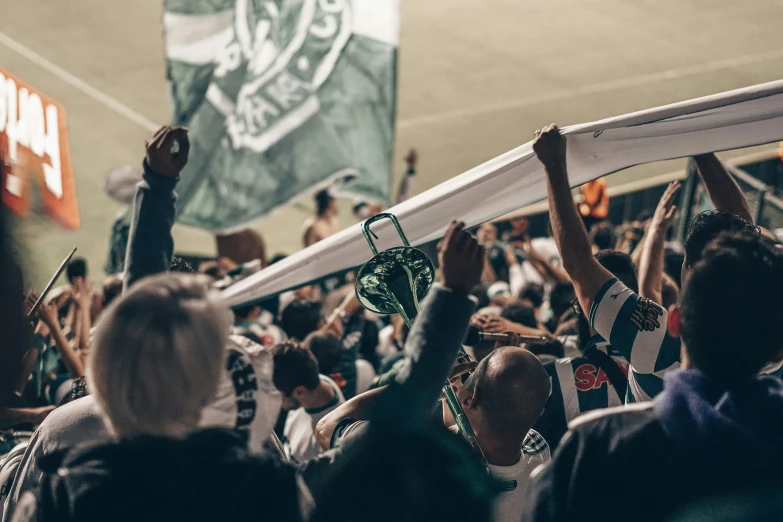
{"x": 395, "y": 281}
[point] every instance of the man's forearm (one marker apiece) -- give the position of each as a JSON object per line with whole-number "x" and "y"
{"x": 723, "y": 190}
{"x": 359, "y": 408}
{"x": 150, "y": 245}
{"x": 567, "y": 227}
{"x": 432, "y": 347}
{"x": 10, "y": 417}
{"x": 71, "y": 360}
{"x": 651, "y": 264}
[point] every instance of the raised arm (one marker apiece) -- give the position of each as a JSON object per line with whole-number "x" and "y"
{"x": 359, "y": 408}
{"x": 721, "y": 187}
{"x": 73, "y": 363}
{"x": 651, "y": 262}
{"x": 150, "y": 245}
{"x": 587, "y": 275}
{"x": 82, "y": 298}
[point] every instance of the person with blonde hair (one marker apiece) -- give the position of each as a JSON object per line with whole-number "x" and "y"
{"x": 173, "y": 336}
{"x": 156, "y": 362}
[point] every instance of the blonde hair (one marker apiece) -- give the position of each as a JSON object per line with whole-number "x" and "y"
{"x": 157, "y": 356}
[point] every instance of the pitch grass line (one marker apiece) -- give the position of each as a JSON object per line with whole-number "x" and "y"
{"x": 622, "y": 83}
{"x": 79, "y": 84}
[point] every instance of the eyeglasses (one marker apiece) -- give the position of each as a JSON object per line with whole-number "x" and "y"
{"x": 576, "y": 307}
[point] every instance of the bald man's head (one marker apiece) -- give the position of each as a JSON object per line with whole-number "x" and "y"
{"x": 506, "y": 393}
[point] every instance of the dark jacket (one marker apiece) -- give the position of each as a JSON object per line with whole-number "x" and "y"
{"x": 208, "y": 476}
{"x": 697, "y": 440}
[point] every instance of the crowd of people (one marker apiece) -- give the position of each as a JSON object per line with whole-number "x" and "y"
{"x": 600, "y": 373}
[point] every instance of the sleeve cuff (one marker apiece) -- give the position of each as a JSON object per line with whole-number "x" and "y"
{"x": 158, "y": 183}
{"x": 597, "y": 300}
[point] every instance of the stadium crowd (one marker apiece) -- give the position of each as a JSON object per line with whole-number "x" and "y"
{"x": 612, "y": 375}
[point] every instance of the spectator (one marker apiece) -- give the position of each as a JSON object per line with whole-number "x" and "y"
{"x": 502, "y": 399}
{"x": 602, "y": 236}
{"x": 560, "y": 299}
{"x": 689, "y": 442}
{"x": 496, "y": 267}
{"x": 595, "y": 205}
{"x": 300, "y": 318}
{"x": 592, "y": 375}
{"x": 517, "y": 236}
{"x": 252, "y": 322}
{"x": 634, "y": 325}
{"x": 246, "y": 401}
{"x": 307, "y": 395}
{"x": 412, "y": 475}
{"x": 521, "y": 312}
{"x": 337, "y": 359}
{"x": 112, "y": 288}
{"x": 324, "y": 224}
{"x": 173, "y": 337}
{"x": 242, "y": 246}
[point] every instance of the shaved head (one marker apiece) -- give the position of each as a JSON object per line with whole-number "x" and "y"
{"x": 507, "y": 392}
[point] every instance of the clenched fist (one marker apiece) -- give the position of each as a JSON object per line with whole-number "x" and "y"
{"x": 167, "y": 151}
{"x": 461, "y": 258}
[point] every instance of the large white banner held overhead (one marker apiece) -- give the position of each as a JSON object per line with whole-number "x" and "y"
{"x": 734, "y": 119}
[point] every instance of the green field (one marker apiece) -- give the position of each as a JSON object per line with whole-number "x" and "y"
{"x": 475, "y": 79}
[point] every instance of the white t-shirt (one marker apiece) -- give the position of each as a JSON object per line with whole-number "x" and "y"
{"x": 299, "y": 433}
{"x": 247, "y": 399}
{"x": 515, "y": 479}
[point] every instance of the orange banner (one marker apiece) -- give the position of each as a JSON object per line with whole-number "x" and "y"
{"x": 34, "y": 146}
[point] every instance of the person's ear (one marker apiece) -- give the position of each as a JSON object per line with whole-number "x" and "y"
{"x": 298, "y": 392}
{"x": 472, "y": 400}
{"x": 673, "y": 321}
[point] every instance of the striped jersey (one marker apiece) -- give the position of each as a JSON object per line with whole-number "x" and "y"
{"x": 636, "y": 328}
{"x": 579, "y": 384}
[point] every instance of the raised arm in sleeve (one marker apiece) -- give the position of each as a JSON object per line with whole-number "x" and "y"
{"x": 150, "y": 245}
{"x": 723, "y": 190}
{"x": 587, "y": 275}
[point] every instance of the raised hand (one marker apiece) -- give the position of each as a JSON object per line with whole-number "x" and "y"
{"x": 461, "y": 258}
{"x": 666, "y": 211}
{"x": 47, "y": 313}
{"x": 167, "y": 151}
{"x": 412, "y": 158}
{"x": 550, "y": 146}
{"x": 82, "y": 296}
{"x": 29, "y": 302}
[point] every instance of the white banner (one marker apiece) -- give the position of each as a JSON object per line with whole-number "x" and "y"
{"x": 734, "y": 119}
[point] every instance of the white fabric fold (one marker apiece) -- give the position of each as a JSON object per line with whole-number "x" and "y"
{"x": 730, "y": 120}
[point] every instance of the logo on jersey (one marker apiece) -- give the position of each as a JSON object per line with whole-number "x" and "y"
{"x": 243, "y": 377}
{"x": 645, "y": 315}
{"x": 588, "y": 377}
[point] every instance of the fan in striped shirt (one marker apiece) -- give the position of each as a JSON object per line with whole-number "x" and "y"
{"x": 597, "y": 377}
{"x": 635, "y": 325}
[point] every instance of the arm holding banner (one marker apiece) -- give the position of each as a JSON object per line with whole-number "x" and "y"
{"x": 150, "y": 245}
{"x": 721, "y": 187}
{"x": 585, "y": 272}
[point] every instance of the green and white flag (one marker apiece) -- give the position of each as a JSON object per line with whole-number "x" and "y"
{"x": 281, "y": 97}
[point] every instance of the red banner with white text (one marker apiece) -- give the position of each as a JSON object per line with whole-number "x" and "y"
{"x": 34, "y": 150}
